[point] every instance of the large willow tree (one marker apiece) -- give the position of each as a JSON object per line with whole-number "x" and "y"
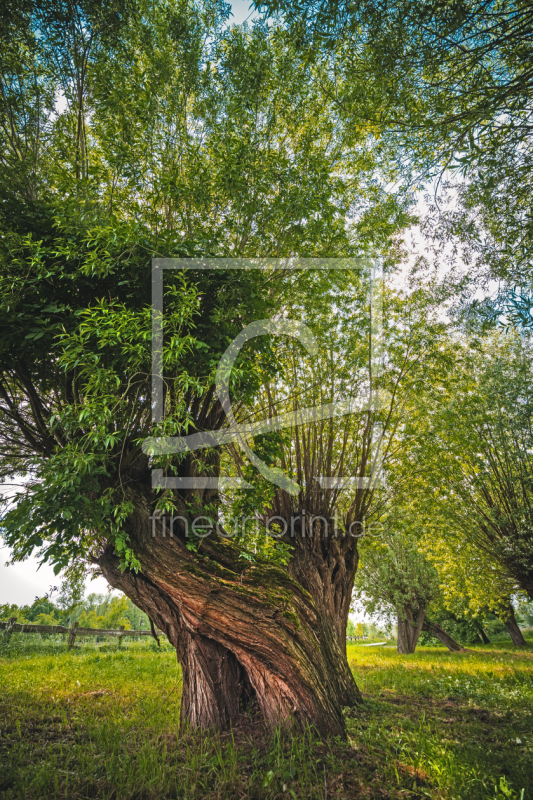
{"x": 133, "y": 130}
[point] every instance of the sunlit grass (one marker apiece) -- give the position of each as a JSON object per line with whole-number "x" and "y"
{"x": 101, "y": 722}
{"x": 495, "y": 674}
{"x": 464, "y": 720}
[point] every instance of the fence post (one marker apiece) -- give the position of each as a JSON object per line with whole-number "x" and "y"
{"x": 72, "y": 635}
{"x": 120, "y": 637}
{"x": 9, "y": 630}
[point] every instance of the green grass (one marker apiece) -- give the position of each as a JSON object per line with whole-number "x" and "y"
{"x": 464, "y": 722}
{"x": 98, "y": 722}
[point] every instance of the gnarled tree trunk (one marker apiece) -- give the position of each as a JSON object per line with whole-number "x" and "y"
{"x": 243, "y": 631}
{"x": 409, "y": 628}
{"x": 326, "y": 567}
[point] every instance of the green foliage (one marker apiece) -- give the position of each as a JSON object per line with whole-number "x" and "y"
{"x": 41, "y": 612}
{"x": 369, "y": 394}
{"x": 464, "y": 630}
{"x": 8, "y": 610}
{"x": 395, "y": 577}
{"x": 72, "y": 587}
{"x": 448, "y": 88}
{"x": 524, "y": 614}
{"x": 98, "y": 612}
{"x": 474, "y": 443}
{"x": 138, "y": 620}
{"x": 183, "y": 138}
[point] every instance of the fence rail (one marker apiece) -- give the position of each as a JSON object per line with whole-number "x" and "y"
{"x": 12, "y": 626}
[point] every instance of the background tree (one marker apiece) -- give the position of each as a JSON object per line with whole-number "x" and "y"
{"x": 103, "y": 612}
{"x": 41, "y": 612}
{"x": 474, "y": 586}
{"x": 395, "y": 578}
{"x": 525, "y": 615}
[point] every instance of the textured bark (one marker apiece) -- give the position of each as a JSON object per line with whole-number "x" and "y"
{"x": 439, "y": 633}
{"x": 215, "y": 686}
{"x": 326, "y": 567}
{"x": 514, "y": 631}
{"x": 213, "y": 690}
{"x": 324, "y": 552}
{"x": 243, "y": 631}
{"x": 409, "y": 629}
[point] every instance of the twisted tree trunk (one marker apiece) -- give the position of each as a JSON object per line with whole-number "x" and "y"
{"x": 244, "y": 632}
{"x": 326, "y": 568}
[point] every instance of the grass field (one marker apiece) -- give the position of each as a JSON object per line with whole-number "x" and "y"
{"x": 103, "y": 723}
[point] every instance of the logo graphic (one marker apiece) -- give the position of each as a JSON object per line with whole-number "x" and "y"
{"x": 238, "y": 433}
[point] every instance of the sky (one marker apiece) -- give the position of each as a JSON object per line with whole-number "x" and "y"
{"x": 241, "y": 11}
{"x": 24, "y": 581}
{"x": 20, "y": 584}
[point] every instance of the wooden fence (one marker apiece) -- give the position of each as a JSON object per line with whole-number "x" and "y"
{"x": 11, "y": 626}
